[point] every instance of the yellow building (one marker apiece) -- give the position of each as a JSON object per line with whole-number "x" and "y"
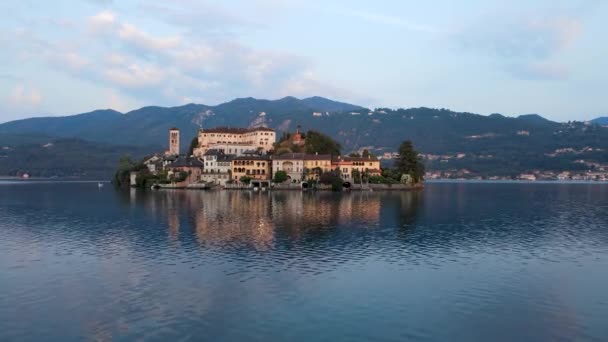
{"x": 369, "y": 165}
{"x": 314, "y": 164}
{"x": 242, "y": 139}
{"x": 252, "y": 165}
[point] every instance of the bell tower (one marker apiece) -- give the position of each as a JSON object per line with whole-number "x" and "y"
{"x": 174, "y": 141}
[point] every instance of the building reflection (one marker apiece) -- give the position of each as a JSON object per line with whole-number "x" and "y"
{"x": 260, "y": 219}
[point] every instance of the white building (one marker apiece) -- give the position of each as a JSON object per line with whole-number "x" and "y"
{"x": 291, "y": 163}
{"x": 217, "y": 166}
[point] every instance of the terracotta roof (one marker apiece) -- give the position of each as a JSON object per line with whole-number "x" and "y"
{"x": 236, "y": 130}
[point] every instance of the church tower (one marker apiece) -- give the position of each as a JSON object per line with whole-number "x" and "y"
{"x": 174, "y": 141}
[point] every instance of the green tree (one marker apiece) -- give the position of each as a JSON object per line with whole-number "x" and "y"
{"x": 409, "y": 162}
{"x": 245, "y": 179}
{"x": 280, "y": 176}
{"x": 193, "y": 145}
{"x": 317, "y": 142}
{"x": 354, "y": 155}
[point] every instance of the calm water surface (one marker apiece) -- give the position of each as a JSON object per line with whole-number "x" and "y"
{"x": 456, "y": 262}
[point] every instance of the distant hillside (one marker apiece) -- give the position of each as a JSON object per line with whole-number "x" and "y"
{"x": 149, "y": 125}
{"x": 603, "y": 121}
{"x": 484, "y": 145}
{"x": 48, "y": 157}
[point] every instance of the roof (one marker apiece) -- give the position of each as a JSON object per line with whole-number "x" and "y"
{"x": 256, "y": 157}
{"x": 355, "y": 159}
{"x": 236, "y": 130}
{"x": 289, "y": 156}
{"x": 174, "y": 129}
{"x": 214, "y": 152}
{"x": 187, "y": 162}
{"x": 317, "y": 157}
{"x": 302, "y": 156}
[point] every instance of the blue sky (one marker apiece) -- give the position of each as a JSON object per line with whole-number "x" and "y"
{"x": 511, "y": 57}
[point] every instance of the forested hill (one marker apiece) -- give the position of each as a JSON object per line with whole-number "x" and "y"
{"x": 492, "y": 144}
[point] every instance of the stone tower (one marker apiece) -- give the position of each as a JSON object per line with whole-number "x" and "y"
{"x": 174, "y": 141}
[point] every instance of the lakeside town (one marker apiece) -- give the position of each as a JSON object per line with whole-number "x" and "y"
{"x": 253, "y": 158}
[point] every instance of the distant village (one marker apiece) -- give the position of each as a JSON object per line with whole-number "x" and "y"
{"x": 227, "y": 157}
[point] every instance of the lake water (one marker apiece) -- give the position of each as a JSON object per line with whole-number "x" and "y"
{"x": 455, "y": 262}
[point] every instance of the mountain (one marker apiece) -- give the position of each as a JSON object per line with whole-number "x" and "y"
{"x": 483, "y": 145}
{"x": 603, "y": 121}
{"x": 60, "y": 157}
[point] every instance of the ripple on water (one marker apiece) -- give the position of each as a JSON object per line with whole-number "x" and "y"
{"x": 456, "y": 262}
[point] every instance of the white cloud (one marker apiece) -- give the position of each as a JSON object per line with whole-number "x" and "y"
{"x": 135, "y": 76}
{"x": 142, "y": 40}
{"x": 103, "y": 20}
{"x": 25, "y": 97}
{"x": 167, "y": 69}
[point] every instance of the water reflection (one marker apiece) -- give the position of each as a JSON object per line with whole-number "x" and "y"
{"x": 481, "y": 261}
{"x": 257, "y": 219}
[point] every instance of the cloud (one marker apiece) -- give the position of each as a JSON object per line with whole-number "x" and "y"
{"x": 171, "y": 67}
{"x": 142, "y": 40}
{"x": 102, "y": 21}
{"x": 26, "y": 97}
{"x": 527, "y": 46}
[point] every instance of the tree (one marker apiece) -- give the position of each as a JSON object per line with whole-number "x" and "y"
{"x": 280, "y": 176}
{"x": 354, "y": 155}
{"x": 317, "y": 142}
{"x": 245, "y": 179}
{"x": 366, "y": 154}
{"x": 409, "y": 162}
{"x": 193, "y": 145}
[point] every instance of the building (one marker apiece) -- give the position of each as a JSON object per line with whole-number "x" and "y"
{"x": 234, "y": 149}
{"x": 258, "y": 139}
{"x": 218, "y": 167}
{"x": 368, "y": 165}
{"x": 297, "y": 138}
{"x": 173, "y": 141}
{"x": 291, "y": 163}
{"x": 255, "y": 166}
{"x": 192, "y": 167}
{"x": 315, "y": 164}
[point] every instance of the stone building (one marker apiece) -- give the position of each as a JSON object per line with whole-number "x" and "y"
{"x": 257, "y": 139}
{"x": 173, "y": 141}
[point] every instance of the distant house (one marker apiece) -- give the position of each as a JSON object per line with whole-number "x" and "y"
{"x": 317, "y": 114}
{"x": 527, "y": 176}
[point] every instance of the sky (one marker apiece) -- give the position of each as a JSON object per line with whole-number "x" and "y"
{"x": 511, "y": 57}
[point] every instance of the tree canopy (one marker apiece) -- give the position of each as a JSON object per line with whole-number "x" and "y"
{"x": 317, "y": 142}
{"x": 409, "y": 162}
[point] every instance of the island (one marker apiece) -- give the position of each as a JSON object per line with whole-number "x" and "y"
{"x": 254, "y": 158}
